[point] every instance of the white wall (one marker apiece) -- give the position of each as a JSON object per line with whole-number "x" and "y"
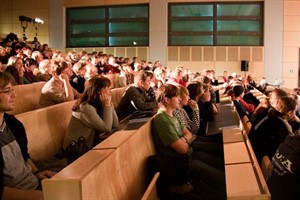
{"x": 273, "y": 40}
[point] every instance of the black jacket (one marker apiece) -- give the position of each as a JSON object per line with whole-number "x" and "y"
{"x": 19, "y": 133}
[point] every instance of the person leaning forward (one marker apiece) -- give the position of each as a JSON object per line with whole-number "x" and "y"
{"x": 135, "y": 97}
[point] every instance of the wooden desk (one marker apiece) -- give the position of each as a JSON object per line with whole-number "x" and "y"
{"x": 232, "y": 135}
{"x": 226, "y": 118}
{"x": 236, "y": 153}
{"x": 133, "y": 124}
{"x": 115, "y": 140}
{"x": 241, "y": 181}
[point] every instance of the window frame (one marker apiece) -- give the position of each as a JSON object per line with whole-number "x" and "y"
{"x": 215, "y": 33}
{"x": 106, "y": 35}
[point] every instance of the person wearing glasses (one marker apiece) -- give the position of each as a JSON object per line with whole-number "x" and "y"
{"x": 20, "y": 176}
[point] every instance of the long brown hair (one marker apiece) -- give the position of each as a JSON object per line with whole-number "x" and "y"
{"x": 91, "y": 94}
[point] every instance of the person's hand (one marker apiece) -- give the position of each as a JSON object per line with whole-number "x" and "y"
{"x": 105, "y": 98}
{"x": 63, "y": 77}
{"x": 45, "y": 174}
{"x": 193, "y": 104}
{"x": 206, "y": 96}
{"x": 20, "y": 71}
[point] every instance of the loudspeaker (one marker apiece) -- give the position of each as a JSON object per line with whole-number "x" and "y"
{"x": 244, "y": 65}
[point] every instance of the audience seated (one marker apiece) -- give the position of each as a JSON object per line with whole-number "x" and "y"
{"x": 284, "y": 170}
{"x": 15, "y": 70}
{"x": 58, "y": 88}
{"x": 111, "y": 67}
{"x": 275, "y": 125}
{"x": 207, "y": 109}
{"x": 77, "y": 80}
{"x": 92, "y": 115}
{"x": 44, "y": 72}
{"x": 270, "y": 132}
{"x": 135, "y": 97}
{"x": 241, "y": 105}
{"x": 29, "y": 65}
{"x": 178, "y": 163}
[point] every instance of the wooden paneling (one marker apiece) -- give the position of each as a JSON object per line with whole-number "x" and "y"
{"x": 196, "y": 54}
{"x": 173, "y": 54}
{"x": 257, "y": 54}
{"x": 233, "y": 53}
{"x": 184, "y": 54}
{"x": 245, "y": 53}
{"x": 221, "y": 54}
{"x": 208, "y": 54}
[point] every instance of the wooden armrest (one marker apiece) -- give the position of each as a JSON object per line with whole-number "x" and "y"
{"x": 150, "y": 193}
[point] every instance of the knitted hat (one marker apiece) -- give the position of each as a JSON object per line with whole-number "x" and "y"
{"x": 238, "y": 90}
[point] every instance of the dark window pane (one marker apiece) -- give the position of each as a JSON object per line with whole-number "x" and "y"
{"x": 238, "y": 10}
{"x": 192, "y": 40}
{"x": 128, "y": 12}
{"x": 136, "y": 27}
{"x": 87, "y": 13}
{"x": 238, "y": 25}
{"x": 87, "y": 28}
{"x": 128, "y": 41}
{"x": 226, "y": 23}
{"x": 87, "y": 41}
{"x": 192, "y": 25}
{"x": 191, "y": 10}
{"x": 238, "y": 40}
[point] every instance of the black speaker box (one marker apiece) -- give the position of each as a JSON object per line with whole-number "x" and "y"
{"x": 244, "y": 65}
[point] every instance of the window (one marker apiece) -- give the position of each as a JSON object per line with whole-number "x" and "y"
{"x": 216, "y": 24}
{"x": 108, "y": 26}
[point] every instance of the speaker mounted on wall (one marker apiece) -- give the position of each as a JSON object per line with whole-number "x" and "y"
{"x": 244, "y": 65}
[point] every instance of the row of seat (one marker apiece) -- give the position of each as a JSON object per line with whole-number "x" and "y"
{"x": 28, "y": 95}
{"x": 48, "y": 126}
{"x": 244, "y": 176}
{"x": 114, "y": 169}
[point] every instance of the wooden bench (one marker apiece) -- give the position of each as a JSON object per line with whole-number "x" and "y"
{"x": 27, "y": 97}
{"x": 114, "y": 169}
{"x": 116, "y": 95}
{"x": 45, "y": 129}
{"x": 151, "y": 193}
{"x": 244, "y": 178}
{"x": 116, "y": 80}
{"x": 246, "y": 124}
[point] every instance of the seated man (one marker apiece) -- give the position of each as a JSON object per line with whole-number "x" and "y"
{"x": 19, "y": 177}
{"x": 135, "y": 97}
{"x": 58, "y": 89}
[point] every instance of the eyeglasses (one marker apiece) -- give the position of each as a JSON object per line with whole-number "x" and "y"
{"x": 7, "y": 91}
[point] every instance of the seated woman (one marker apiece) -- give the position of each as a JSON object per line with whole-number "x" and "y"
{"x": 15, "y": 70}
{"x": 92, "y": 114}
{"x": 172, "y": 142}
